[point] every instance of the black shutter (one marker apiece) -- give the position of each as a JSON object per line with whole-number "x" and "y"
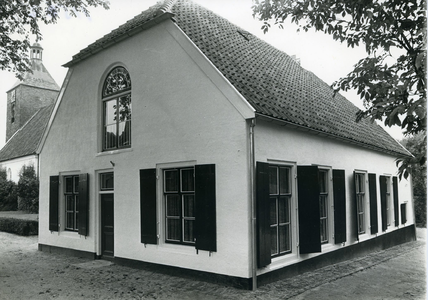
{"x": 355, "y": 206}
{"x": 383, "y": 190}
{"x": 83, "y": 204}
{"x": 53, "y": 202}
{"x": 339, "y": 195}
{"x": 309, "y": 209}
{"x": 373, "y": 203}
{"x": 205, "y": 212}
{"x": 395, "y": 189}
{"x": 148, "y": 206}
{"x": 263, "y": 215}
{"x": 403, "y": 213}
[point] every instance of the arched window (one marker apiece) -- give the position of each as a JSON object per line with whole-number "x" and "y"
{"x": 116, "y": 96}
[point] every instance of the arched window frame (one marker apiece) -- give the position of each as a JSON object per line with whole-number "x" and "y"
{"x": 116, "y": 101}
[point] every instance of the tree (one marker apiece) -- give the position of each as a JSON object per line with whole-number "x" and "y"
{"x": 391, "y": 80}
{"x": 8, "y": 197}
{"x": 418, "y": 147}
{"x": 21, "y": 18}
{"x": 28, "y": 190}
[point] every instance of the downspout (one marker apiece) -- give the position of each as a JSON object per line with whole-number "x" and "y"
{"x": 253, "y": 206}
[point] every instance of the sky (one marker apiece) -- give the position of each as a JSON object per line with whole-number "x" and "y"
{"x": 318, "y": 53}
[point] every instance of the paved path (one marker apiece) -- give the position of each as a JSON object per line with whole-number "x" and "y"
{"x": 25, "y": 273}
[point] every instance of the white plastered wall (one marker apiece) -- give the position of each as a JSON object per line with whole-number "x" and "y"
{"x": 279, "y": 144}
{"x": 183, "y": 112}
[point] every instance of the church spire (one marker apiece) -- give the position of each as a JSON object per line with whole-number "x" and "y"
{"x": 36, "y": 52}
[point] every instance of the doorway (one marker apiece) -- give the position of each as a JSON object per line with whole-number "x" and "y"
{"x": 107, "y": 225}
{"x": 107, "y": 214}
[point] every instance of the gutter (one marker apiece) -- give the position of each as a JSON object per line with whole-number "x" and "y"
{"x": 252, "y": 166}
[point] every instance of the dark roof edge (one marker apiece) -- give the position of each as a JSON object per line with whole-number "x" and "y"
{"x": 158, "y": 19}
{"x": 21, "y": 156}
{"x": 337, "y": 137}
{"x": 34, "y": 86}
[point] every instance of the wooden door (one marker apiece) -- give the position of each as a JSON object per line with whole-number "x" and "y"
{"x": 107, "y": 225}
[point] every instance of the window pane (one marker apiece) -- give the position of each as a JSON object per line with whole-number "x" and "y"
{"x": 323, "y": 230}
{"x": 322, "y": 178}
{"x": 284, "y": 210}
{"x": 173, "y": 205}
{"x": 69, "y": 199}
{"x": 77, "y": 221}
{"x": 323, "y": 206}
{"x": 76, "y": 184}
{"x": 273, "y": 240}
{"x": 171, "y": 181}
{"x": 125, "y": 108}
{"x": 284, "y": 179}
{"x": 187, "y": 181}
{"x": 107, "y": 181}
{"x": 70, "y": 220}
{"x": 273, "y": 180}
{"x": 110, "y": 139}
{"x": 110, "y": 112}
{"x": 188, "y": 231}
{"x": 189, "y": 205}
{"x": 360, "y": 203}
{"x": 284, "y": 238}
{"x": 273, "y": 212}
{"x": 124, "y": 133}
{"x": 69, "y": 184}
{"x": 173, "y": 229}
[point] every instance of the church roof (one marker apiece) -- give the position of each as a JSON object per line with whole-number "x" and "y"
{"x": 274, "y": 84}
{"x": 26, "y": 140}
{"x": 40, "y": 77}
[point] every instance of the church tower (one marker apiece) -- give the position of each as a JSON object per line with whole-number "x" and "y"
{"x": 37, "y": 89}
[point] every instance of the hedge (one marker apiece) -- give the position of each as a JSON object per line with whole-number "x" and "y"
{"x": 20, "y": 227}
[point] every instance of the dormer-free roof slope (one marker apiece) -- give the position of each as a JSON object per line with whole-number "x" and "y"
{"x": 26, "y": 140}
{"x": 275, "y": 85}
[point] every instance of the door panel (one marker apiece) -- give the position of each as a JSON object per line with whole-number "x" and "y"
{"x": 107, "y": 225}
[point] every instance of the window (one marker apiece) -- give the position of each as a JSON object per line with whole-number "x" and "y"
{"x": 280, "y": 209}
{"x": 71, "y": 196}
{"x": 12, "y": 113}
{"x": 179, "y": 191}
{"x": 107, "y": 181}
{"x": 117, "y": 110}
{"x": 323, "y": 188}
{"x": 360, "y": 195}
{"x": 388, "y": 201}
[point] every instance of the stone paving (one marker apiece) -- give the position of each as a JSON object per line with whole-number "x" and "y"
{"x": 26, "y": 273}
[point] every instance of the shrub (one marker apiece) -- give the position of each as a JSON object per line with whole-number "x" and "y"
{"x": 28, "y": 190}
{"x": 8, "y": 193}
{"x": 17, "y": 226}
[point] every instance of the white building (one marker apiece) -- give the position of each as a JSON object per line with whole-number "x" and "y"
{"x": 238, "y": 164}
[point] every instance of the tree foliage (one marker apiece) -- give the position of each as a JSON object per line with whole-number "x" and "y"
{"x": 19, "y": 19}
{"x": 391, "y": 80}
{"x": 418, "y": 147}
{"x": 8, "y": 197}
{"x": 28, "y": 189}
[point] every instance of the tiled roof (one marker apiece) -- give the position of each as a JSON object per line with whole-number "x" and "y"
{"x": 271, "y": 81}
{"x": 26, "y": 140}
{"x": 40, "y": 77}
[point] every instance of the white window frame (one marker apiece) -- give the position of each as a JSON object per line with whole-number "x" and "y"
{"x": 280, "y": 260}
{"x": 365, "y": 204}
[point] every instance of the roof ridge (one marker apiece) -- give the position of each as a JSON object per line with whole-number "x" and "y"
{"x": 167, "y": 5}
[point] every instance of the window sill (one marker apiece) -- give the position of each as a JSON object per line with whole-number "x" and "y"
{"x": 112, "y": 152}
{"x": 69, "y": 234}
